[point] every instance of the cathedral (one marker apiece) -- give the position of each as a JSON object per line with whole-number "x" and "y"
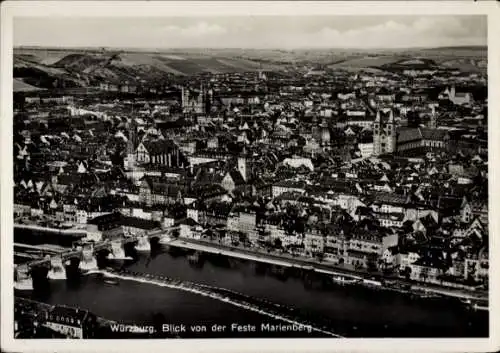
{"x": 201, "y": 104}
{"x": 389, "y": 138}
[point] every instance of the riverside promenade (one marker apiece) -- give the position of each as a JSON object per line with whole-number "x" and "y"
{"x": 34, "y": 227}
{"x": 287, "y": 260}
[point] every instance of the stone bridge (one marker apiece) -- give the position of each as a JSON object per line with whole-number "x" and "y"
{"x": 86, "y": 254}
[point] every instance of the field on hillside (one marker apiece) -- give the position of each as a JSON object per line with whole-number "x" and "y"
{"x": 83, "y": 67}
{"x": 132, "y": 65}
{"x": 365, "y": 62}
{"x": 45, "y": 57}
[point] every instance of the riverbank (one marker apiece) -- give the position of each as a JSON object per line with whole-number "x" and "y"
{"x": 330, "y": 269}
{"x": 237, "y": 299}
{"x": 301, "y": 295}
{"x": 70, "y": 231}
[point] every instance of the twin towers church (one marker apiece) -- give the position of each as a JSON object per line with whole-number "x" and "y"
{"x": 390, "y": 138}
{"x": 197, "y": 103}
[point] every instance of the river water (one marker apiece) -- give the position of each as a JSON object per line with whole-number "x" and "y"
{"x": 346, "y": 311}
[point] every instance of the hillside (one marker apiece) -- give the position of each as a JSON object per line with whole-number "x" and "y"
{"x": 47, "y": 68}
{"x": 81, "y": 68}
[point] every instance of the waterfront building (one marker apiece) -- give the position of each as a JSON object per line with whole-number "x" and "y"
{"x": 72, "y": 322}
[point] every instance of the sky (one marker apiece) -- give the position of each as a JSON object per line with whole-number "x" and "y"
{"x": 263, "y": 32}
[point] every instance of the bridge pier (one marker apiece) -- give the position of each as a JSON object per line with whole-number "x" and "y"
{"x": 143, "y": 243}
{"x": 22, "y": 278}
{"x": 117, "y": 251}
{"x": 88, "y": 260}
{"x": 39, "y": 277}
{"x": 57, "y": 268}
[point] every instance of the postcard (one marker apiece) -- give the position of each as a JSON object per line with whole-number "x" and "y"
{"x": 254, "y": 176}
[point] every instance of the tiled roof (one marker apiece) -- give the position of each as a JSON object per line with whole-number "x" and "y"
{"x": 391, "y": 216}
{"x": 237, "y": 177}
{"x": 138, "y": 223}
{"x": 428, "y": 222}
{"x": 66, "y": 311}
{"x": 219, "y": 208}
{"x": 290, "y": 184}
{"x": 159, "y": 146}
{"x": 409, "y": 134}
{"x": 433, "y": 134}
{"x": 390, "y": 198}
{"x": 449, "y": 202}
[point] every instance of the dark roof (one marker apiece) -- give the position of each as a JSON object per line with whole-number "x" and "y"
{"x": 163, "y": 188}
{"x": 431, "y": 262}
{"x": 138, "y": 223}
{"x": 409, "y": 134}
{"x": 289, "y": 195}
{"x": 449, "y": 203}
{"x": 391, "y": 216}
{"x": 428, "y": 222}
{"x": 204, "y": 176}
{"x": 107, "y": 218}
{"x": 122, "y": 220}
{"x": 290, "y": 184}
{"x": 188, "y": 221}
{"x": 364, "y": 211}
{"x": 208, "y": 191}
{"x": 219, "y": 208}
{"x": 66, "y": 311}
{"x": 76, "y": 178}
{"x": 357, "y": 254}
{"x": 385, "y": 115}
{"x": 433, "y": 134}
{"x": 389, "y": 198}
{"x": 237, "y": 177}
{"x": 160, "y": 146}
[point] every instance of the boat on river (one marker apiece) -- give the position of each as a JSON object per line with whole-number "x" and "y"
{"x": 372, "y": 283}
{"x": 111, "y": 281}
{"x": 344, "y": 280}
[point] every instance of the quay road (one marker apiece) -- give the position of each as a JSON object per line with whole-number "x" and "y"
{"x": 289, "y": 261}
{"x": 43, "y": 248}
{"x": 50, "y": 230}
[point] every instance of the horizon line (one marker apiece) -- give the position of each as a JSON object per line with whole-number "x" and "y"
{"x": 101, "y": 48}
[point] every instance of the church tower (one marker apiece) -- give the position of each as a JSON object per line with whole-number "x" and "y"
{"x": 433, "y": 118}
{"x": 325, "y": 133}
{"x": 200, "y": 102}
{"x": 184, "y": 99}
{"x": 242, "y": 167}
{"x": 384, "y": 133}
{"x": 131, "y": 146}
{"x": 209, "y": 101}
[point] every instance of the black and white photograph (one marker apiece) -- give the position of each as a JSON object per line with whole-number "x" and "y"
{"x": 248, "y": 176}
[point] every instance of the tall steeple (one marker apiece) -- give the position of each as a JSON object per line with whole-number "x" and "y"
{"x": 384, "y": 132}
{"x": 433, "y": 122}
{"x": 131, "y": 145}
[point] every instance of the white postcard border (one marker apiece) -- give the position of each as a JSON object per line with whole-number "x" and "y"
{"x": 208, "y": 8}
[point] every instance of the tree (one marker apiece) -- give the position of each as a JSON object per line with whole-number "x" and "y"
{"x": 278, "y": 243}
{"x": 406, "y": 272}
{"x": 372, "y": 263}
{"x": 424, "y": 274}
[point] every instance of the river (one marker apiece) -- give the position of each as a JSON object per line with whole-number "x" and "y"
{"x": 343, "y": 310}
